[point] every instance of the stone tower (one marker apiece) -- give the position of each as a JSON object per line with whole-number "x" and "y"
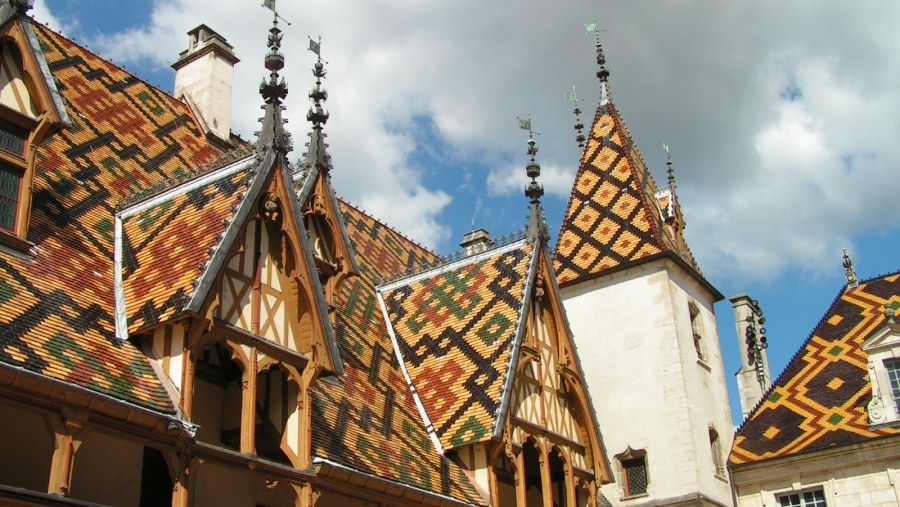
{"x": 643, "y": 321}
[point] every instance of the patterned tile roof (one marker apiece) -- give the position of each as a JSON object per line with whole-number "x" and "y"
{"x": 455, "y": 328}
{"x": 56, "y": 305}
{"x": 369, "y": 421}
{"x": 820, "y": 399}
{"x": 166, "y": 241}
{"x": 613, "y": 219}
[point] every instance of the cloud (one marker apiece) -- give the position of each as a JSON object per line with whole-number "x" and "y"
{"x": 781, "y": 117}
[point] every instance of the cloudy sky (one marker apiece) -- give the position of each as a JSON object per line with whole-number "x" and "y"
{"x": 782, "y": 117}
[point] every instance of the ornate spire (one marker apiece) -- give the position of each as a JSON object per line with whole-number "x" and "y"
{"x": 537, "y": 227}
{"x": 317, "y": 155}
{"x": 273, "y": 92}
{"x": 850, "y": 271}
{"x": 317, "y": 115}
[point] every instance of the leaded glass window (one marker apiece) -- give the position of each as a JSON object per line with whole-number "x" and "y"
{"x": 893, "y": 369}
{"x": 10, "y": 181}
{"x": 814, "y": 498}
{"x": 13, "y": 137}
{"x": 635, "y": 471}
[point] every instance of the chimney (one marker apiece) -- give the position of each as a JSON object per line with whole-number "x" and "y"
{"x": 476, "y": 242}
{"x": 204, "y": 77}
{"x": 755, "y": 379}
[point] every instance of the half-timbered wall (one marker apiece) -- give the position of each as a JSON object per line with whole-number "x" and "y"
{"x": 259, "y": 295}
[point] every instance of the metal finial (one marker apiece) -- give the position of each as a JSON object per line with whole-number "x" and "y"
{"x": 275, "y": 90}
{"x": 317, "y": 114}
{"x": 602, "y": 72}
{"x": 579, "y": 125}
{"x": 537, "y": 227}
{"x": 669, "y": 170}
{"x": 850, "y": 271}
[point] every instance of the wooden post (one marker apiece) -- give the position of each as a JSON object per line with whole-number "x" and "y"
{"x": 67, "y": 434}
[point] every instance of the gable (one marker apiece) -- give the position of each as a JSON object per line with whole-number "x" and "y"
{"x": 454, "y": 330}
{"x": 548, "y": 396}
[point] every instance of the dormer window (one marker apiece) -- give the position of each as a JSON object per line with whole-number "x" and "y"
{"x": 27, "y": 116}
{"x": 883, "y": 347}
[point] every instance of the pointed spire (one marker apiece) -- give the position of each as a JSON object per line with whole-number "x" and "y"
{"x": 273, "y": 92}
{"x": 669, "y": 170}
{"x": 850, "y": 271}
{"x": 537, "y": 227}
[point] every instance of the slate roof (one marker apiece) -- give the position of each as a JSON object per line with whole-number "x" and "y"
{"x": 455, "y": 328}
{"x": 56, "y": 305}
{"x": 613, "y": 219}
{"x": 369, "y": 421}
{"x": 820, "y": 399}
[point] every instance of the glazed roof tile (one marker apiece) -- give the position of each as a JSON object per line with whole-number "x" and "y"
{"x": 167, "y": 241}
{"x": 455, "y": 328}
{"x": 57, "y": 305}
{"x": 820, "y": 399}
{"x": 613, "y": 219}
{"x": 369, "y": 421}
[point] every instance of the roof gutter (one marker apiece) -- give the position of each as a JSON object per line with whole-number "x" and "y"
{"x": 329, "y": 469}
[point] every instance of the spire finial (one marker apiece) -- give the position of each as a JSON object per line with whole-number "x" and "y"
{"x": 602, "y": 73}
{"x": 850, "y": 271}
{"x": 273, "y": 91}
{"x": 317, "y": 114}
{"x": 670, "y": 171}
{"x": 579, "y": 125}
{"x": 537, "y": 227}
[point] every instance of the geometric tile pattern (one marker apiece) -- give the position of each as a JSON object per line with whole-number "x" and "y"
{"x": 455, "y": 330}
{"x": 57, "y": 305}
{"x": 165, "y": 245}
{"x": 820, "y": 399}
{"x": 369, "y": 421}
{"x": 613, "y": 219}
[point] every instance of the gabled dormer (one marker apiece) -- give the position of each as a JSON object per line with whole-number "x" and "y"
{"x": 883, "y": 349}
{"x": 30, "y": 111}
{"x": 321, "y": 214}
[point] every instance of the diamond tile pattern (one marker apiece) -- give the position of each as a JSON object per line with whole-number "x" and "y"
{"x": 56, "y": 307}
{"x": 613, "y": 218}
{"x": 820, "y": 399}
{"x": 369, "y": 421}
{"x": 455, "y": 331}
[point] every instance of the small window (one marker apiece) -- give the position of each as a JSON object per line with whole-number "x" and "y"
{"x": 697, "y": 331}
{"x": 715, "y": 446}
{"x": 813, "y": 498}
{"x": 635, "y": 474}
{"x": 10, "y": 184}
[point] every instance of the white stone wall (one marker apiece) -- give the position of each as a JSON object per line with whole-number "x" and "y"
{"x": 635, "y": 341}
{"x": 208, "y": 81}
{"x": 859, "y": 475}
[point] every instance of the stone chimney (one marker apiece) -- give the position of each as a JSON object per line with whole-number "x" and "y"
{"x": 476, "y": 242}
{"x": 204, "y": 78}
{"x": 755, "y": 379}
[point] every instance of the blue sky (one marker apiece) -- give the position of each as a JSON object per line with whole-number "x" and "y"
{"x": 781, "y": 118}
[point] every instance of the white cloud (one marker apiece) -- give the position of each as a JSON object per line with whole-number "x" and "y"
{"x": 767, "y": 184}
